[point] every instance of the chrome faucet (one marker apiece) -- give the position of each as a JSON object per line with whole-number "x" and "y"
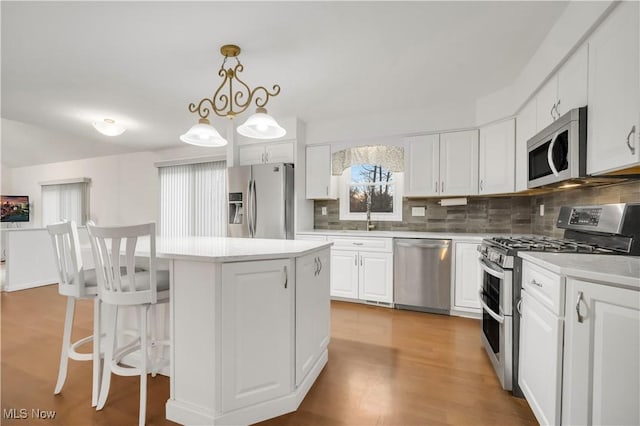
{"x": 370, "y": 225}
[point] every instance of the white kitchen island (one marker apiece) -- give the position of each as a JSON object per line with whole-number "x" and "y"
{"x": 249, "y": 321}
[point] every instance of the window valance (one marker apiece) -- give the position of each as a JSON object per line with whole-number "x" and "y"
{"x": 390, "y": 157}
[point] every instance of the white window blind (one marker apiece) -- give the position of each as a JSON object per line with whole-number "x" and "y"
{"x": 65, "y": 201}
{"x": 192, "y": 200}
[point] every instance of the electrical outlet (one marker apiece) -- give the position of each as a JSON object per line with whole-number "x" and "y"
{"x": 417, "y": 211}
{"x": 324, "y": 211}
{"x": 541, "y": 209}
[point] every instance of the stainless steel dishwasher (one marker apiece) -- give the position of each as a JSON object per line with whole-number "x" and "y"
{"x": 422, "y": 274}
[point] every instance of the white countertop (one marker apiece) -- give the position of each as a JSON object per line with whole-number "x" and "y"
{"x": 212, "y": 249}
{"x": 615, "y": 270}
{"x": 401, "y": 234}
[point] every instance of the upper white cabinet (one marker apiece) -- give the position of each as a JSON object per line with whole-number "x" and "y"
{"x": 422, "y": 165}
{"x": 497, "y": 158}
{"x": 264, "y": 153}
{"x": 320, "y": 184}
{"x": 601, "y": 382}
{"x": 613, "y": 124}
{"x": 459, "y": 163}
{"x": 439, "y": 165}
{"x": 525, "y": 129}
{"x": 567, "y": 89}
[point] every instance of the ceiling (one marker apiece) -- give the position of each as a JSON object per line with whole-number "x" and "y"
{"x": 66, "y": 64}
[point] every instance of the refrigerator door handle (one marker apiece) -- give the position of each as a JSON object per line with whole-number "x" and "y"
{"x": 249, "y": 210}
{"x": 254, "y": 207}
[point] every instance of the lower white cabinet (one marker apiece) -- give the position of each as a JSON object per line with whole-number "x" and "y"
{"x": 312, "y": 310}
{"x": 358, "y": 273}
{"x": 601, "y": 356}
{"x": 256, "y": 331}
{"x": 467, "y": 277}
{"x": 540, "y": 370}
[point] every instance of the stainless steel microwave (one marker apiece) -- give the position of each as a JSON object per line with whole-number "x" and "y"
{"x": 559, "y": 152}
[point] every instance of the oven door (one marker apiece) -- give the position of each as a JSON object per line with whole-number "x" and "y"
{"x": 495, "y": 298}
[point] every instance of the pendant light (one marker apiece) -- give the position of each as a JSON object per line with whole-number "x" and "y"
{"x": 203, "y": 134}
{"x": 261, "y": 126}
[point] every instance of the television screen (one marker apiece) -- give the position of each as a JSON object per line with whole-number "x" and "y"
{"x": 15, "y": 208}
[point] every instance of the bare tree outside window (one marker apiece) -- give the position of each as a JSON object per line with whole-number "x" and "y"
{"x": 374, "y": 183}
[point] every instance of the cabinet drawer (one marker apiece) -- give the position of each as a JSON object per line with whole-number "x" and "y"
{"x": 546, "y": 286}
{"x": 307, "y": 237}
{"x": 362, "y": 243}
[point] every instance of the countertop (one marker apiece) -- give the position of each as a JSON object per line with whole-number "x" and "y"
{"x": 623, "y": 271}
{"x": 401, "y": 234}
{"x": 210, "y": 249}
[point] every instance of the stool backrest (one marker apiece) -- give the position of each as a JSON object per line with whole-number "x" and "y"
{"x": 115, "y": 247}
{"x": 66, "y": 249}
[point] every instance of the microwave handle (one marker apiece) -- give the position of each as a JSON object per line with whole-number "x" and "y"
{"x": 550, "y": 155}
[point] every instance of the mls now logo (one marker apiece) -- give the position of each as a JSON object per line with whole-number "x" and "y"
{"x": 23, "y": 413}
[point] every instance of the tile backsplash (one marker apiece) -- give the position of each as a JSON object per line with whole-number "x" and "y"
{"x": 505, "y": 214}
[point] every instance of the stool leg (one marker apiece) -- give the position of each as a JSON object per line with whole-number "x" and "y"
{"x": 154, "y": 336}
{"x": 95, "y": 390}
{"x": 66, "y": 342}
{"x": 111, "y": 314}
{"x": 143, "y": 363}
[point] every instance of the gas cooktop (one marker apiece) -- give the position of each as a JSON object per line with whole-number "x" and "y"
{"x": 548, "y": 244}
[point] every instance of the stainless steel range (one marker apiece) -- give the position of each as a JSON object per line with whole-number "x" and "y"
{"x": 604, "y": 229}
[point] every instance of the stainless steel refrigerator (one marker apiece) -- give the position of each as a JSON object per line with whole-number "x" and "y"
{"x": 260, "y": 201}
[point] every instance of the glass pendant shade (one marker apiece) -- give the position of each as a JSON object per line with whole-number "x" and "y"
{"x": 108, "y": 127}
{"x": 261, "y": 126}
{"x": 203, "y": 134}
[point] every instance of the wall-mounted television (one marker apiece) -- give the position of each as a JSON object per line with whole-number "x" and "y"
{"x": 15, "y": 208}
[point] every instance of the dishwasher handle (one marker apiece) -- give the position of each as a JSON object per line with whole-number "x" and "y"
{"x": 423, "y": 245}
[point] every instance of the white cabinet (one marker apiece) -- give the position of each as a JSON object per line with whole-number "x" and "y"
{"x": 525, "y": 129}
{"x": 312, "y": 310}
{"x": 320, "y": 184}
{"x": 613, "y": 124}
{"x": 459, "y": 163}
{"x": 541, "y": 337}
{"x": 567, "y": 89}
{"x": 497, "y": 158}
{"x": 602, "y": 349}
{"x": 362, "y": 268}
{"x": 256, "y": 331}
{"x": 445, "y": 164}
{"x": 311, "y": 237}
{"x": 275, "y": 152}
{"x": 422, "y": 166}
{"x": 467, "y": 277}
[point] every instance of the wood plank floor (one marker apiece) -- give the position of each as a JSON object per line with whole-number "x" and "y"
{"x": 386, "y": 367}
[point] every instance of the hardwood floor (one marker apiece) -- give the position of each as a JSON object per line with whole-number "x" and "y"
{"x": 386, "y": 367}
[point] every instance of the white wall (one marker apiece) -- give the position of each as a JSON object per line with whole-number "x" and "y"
{"x": 124, "y": 188}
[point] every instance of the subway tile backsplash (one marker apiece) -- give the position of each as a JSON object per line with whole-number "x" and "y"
{"x": 509, "y": 214}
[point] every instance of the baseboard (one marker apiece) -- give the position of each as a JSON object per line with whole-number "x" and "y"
{"x": 27, "y": 286}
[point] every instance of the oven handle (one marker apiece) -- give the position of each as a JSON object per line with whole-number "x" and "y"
{"x": 499, "y": 318}
{"x": 489, "y": 270}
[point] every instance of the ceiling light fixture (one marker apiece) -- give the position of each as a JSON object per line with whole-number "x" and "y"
{"x": 227, "y": 102}
{"x": 109, "y": 127}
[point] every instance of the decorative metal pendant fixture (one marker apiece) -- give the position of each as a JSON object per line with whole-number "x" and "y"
{"x": 229, "y": 101}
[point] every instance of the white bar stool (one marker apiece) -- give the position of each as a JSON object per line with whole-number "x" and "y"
{"x": 141, "y": 290}
{"x": 75, "y": 283}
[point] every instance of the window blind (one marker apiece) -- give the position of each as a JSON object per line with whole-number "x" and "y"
{"x": 67, "y": 201}
{"x": 192, "y": 200}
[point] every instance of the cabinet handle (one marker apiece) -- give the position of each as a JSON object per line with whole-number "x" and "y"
{"x": 435, "y": 186}
{"x": 360, "y": 260}
{"x": 556, "y": 108}
{"x": 442, "y": 187}
{"x": 551, "y": 111}
{"x": 327, "y": 190}
{"x": 286, "y": 277}
{"x": 536, "y": 283}
{"x": 266, "y": 157}
{"x": 631, "y": 147}
{"x": 481, "y": 184}
{"x": 357, "y": 244}
{"x": 519, "y": 306}
{"x": 262, "y": 157}
{"x": 315, "y": 271}
{"x": 580, "y": 317}
{"x": 320, "y": 266}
